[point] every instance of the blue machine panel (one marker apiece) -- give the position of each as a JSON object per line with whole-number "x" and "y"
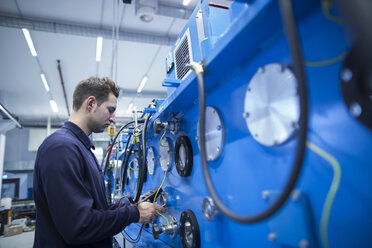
{"x": 333, "y": 203}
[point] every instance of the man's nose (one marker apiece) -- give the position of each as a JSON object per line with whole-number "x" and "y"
{"x": 112, "y": 118}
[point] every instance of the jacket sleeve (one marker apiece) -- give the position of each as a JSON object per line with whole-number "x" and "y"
{"x": 70, "y": 203}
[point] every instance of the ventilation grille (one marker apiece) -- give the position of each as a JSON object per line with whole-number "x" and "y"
{"x": 182, "y": 57}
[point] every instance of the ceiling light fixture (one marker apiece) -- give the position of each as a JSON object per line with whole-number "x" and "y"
{"x": 29, "y": 41}
{"x": 99, "y": 49}
{"x": 130, "y": 108}
{"x": 10, "y": 116}
{"x": 142, "y": 84}
{"x": 46, "y": 86}
{"x": 186, "y": 2}
{"x": 54, "y": 106}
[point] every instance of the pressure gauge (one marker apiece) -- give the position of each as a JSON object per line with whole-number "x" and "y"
{"x": 151, "y": 160}
{"x": 189, "y": 230}
{"x": 165, "y": 154}
{"x": 183, "y": 156}
{"x": 214, "y": 133}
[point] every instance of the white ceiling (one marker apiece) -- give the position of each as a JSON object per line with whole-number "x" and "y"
{"x": 141, "y": 50}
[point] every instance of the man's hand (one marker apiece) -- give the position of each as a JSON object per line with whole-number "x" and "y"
{"x": 147, "y": 212}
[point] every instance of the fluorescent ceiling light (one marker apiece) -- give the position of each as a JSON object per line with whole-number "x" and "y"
{"x": 143, "y": 82}
{"x": 6, "y": 112}
{"x": 54, "y": 106}
{"x": 99, "y": 49}
{"x": 130, "y": 108}
{"x": 29, "y": 41}
{"x": 186, "y": 2}
{"x": 42, "y": 75}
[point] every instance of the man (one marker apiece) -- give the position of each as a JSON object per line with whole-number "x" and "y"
{"x": 69, "y": 191}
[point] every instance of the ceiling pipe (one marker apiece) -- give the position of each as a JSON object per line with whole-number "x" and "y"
{"x": 63, "y": 85}
{"x": 10, "y": 116}
{"x": 82, "y": 30}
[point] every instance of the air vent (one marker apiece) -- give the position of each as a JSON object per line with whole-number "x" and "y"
{"x": 183, "y": 56}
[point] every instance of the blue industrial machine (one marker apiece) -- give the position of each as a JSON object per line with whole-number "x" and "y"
{"x": 265, "y": 137}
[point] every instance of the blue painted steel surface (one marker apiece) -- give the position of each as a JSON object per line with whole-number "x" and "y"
{"x": 248, "y": 37}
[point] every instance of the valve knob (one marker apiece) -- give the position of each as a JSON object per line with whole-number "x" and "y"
{"x": 156, "y": 231}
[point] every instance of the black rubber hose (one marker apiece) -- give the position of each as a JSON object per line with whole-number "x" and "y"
{"x": 144, "y": 152}
{"x": 104, "y": 157}
{"x": 123, "y": 161}
{"x": 141, "y": 161}
{"x": 107, "y": 161}
{"x": 141, "y": 174}
{"x": 125, "y": 166}
{"x": 293, "y": 40}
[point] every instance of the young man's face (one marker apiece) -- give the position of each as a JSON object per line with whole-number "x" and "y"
{"x": 104, "y": 114}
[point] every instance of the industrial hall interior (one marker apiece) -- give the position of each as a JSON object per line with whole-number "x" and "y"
{"x": 185, "y": 123}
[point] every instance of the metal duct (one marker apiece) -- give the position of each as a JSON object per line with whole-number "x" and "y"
{"x": 75, "y": 29}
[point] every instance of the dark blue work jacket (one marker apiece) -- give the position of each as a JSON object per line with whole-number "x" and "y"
{"x": 69, "y": 192}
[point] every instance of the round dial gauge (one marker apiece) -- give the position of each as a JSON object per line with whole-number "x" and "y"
{"x": 189, "y": 230}
{"x": 151, "y": 160}
{"x": 183, "y": 156}
{"x": 214, "y": 133}
{"x": 165, "y": 154}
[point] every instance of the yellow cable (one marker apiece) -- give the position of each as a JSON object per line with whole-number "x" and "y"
{"x": 331, "y": 192}
{"x": 326, "y": 62}
{"x": 326, "y": 5}
{"x": 165, "y": 175}
{"x": 162, "y": 139}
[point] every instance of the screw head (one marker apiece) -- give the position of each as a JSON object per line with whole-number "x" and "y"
{"x": 304, "y": 243}
{"x": 355, "y": 109}
{"x": 271, "y": 237}
{"x": 346, "y": 75}
{"x": 265, "y": 194}
{"x": 296, "y": 194}
{"x": 294, "y": 124}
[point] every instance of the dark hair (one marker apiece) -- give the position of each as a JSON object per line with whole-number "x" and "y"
{"x": 100, "y": 88}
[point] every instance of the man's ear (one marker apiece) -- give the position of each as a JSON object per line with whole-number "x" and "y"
{"x": 90, "y": 102}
